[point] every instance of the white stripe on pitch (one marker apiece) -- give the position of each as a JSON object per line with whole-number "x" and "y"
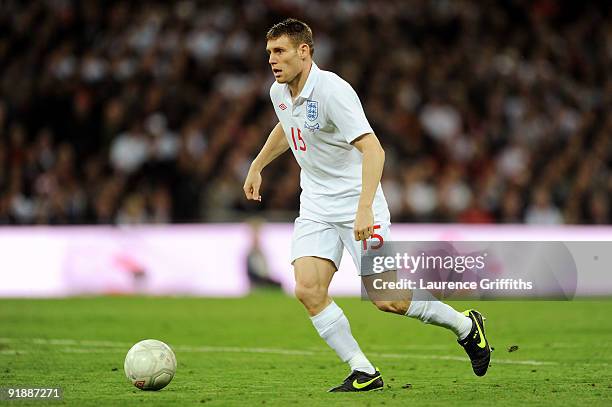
{"x": 85, "y": 346}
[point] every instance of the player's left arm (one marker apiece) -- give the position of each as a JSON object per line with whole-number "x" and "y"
{"x": 371, "y": 173}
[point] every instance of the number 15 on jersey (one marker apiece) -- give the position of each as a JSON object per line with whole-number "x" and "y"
{"x": 296, "y": 132}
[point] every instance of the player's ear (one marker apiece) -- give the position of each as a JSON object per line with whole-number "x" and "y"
{"x": 304, "y": 51}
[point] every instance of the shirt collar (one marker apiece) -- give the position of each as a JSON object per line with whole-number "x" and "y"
{"x": 309, "y": 85}
{"x": 310, "y": 81}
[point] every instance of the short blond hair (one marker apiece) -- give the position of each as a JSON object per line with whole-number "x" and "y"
{"x": 298, "y": 32}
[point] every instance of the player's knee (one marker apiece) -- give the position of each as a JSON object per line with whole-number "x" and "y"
{"x": 395, "y": 307}
{"x": 311, "y": 295}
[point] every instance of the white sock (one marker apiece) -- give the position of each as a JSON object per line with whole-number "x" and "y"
{"x": 334, "y": 328}
{"x": 427, "y": 308}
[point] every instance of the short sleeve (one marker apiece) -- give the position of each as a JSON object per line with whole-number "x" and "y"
{"x": 345, "y": 111}
{"x": 273, "y": 92}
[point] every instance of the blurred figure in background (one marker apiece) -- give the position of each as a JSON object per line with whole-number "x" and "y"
{"x": 542, "y": 211}
{"x": 257, "y": 264}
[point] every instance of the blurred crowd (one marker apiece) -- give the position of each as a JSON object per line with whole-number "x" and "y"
{"x": 151, "y": 112}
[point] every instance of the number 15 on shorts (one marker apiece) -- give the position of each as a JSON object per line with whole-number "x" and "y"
{"x": 374, "y": 245}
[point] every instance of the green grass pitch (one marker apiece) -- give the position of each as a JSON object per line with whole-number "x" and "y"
{"x": 263, "y": 350}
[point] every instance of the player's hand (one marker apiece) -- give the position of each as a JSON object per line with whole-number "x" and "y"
{"x": 364, "y": 223}
{"x": 252, "y": 184}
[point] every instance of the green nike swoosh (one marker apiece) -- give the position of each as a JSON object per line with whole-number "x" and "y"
{"x": 483, "y": 341}
{"x": 360, "y": 386}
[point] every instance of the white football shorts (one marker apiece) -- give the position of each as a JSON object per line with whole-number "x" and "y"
{"x": 328, "y": 239}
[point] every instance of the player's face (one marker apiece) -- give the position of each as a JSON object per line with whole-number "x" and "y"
{"x": 285, "y": 59}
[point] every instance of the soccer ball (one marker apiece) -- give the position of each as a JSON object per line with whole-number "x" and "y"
{"x": 150, "y": 365}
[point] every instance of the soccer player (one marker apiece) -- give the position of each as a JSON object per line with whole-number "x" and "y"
{"x": 342, "y": 203}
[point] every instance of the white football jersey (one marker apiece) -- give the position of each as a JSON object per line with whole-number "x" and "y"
{"x": 320, "y": 126}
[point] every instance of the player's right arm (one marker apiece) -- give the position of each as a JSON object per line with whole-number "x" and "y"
{"x": 275, "y": 145}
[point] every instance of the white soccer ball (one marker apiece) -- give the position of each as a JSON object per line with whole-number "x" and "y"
{"x": 150, "y": 365}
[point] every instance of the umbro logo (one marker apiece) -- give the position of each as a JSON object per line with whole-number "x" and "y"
{"x": 282, "y": 106}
